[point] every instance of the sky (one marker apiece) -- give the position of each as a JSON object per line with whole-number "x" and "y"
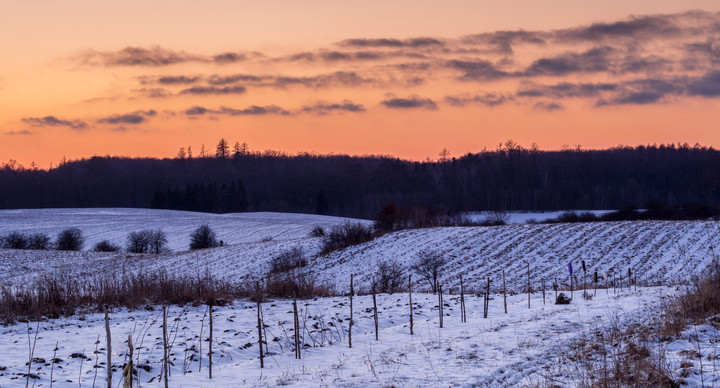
{"x": 403, "y": 78}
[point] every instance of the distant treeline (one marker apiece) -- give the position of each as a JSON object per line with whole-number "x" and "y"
{"x": 508, "y": 178}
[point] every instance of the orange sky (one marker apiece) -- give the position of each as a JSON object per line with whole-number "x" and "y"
{"x": 405, "y": 78}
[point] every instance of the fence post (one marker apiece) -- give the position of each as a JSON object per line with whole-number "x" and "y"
{"x": 487, "y": 298}
{"x": 375, "y": 313}
{"x": 463, "y": 318}
{"x": 504, "y": 293}
{"x": 528, "y": 266}
{"x": 352, "y": 291}
{"x": 411, "y": 307}
{"x": 440, "y": 306}
{"x": 165, "y": 349}
{"x": 210, "y": 355}
{"x": 260, "y": 324}
{"x": 296, "y": 328}
{"x": 109, "y": 349}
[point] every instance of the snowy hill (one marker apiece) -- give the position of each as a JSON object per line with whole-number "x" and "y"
{"x": 525, "y": 347}
{"x": 115, "y": 224}
{"x": 658, "y": 252}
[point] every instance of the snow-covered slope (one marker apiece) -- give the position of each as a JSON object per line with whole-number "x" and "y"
{"x": 115, "y": 224}
{"x": 658, "y": 252}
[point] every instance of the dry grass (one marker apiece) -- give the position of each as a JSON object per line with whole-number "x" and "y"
{"x": 54, "y": 296}
{"x": 702, "y": 300}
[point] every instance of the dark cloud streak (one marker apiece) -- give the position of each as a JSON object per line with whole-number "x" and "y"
{"x": 52, "y": 121}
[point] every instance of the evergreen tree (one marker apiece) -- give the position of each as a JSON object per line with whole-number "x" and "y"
{"x": 223, "y": 150}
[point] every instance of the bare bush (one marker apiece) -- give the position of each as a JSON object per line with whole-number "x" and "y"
{"x": 13, "y": 240}
{"x": 138, "y": 242}
{"x": 389, "y": 277}
{"x": 317, "y": 231}
{"x": 202, "y": 238}
{"x": 147, "y": 241}
{"x": 158, "y": 242}
{"x": 106, "y": 246}
{"x": 39, "y": 241}
{"x": 497, "y": 217}
{"x": 428, "y": 266}
{"x": 70, "y": 239}
{"x": 288, "y": 260}
{"x": 297, "y": 285}
{"x": 17, "y": 240}
{"x": 345, "y": 235}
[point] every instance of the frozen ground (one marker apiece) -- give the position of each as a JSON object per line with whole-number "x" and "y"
{"x": 524, "y": 347}
{"x": 115, "y": 224}
{"x": 657, "y": 252}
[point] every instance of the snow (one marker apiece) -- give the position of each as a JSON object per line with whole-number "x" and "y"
{"x": 519, "y": 348}
{"x": 115, "y": 224}
{"x": 524, "y": 347}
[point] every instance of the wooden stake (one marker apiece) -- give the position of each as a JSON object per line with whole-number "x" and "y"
{"x": 109, "y": 349}
{"x": 375, "y": 314}
{"x": 528, "y": 265}
{"x": 352, "y": 291}
{"x": 487, "y": 299}
{"x": 165, "y": 347}
{"x": 128, "y": 371}
{"x": 543, "y": 290}
{"x": 259, "y": 320}
{"x": 411, "y": 306}
{"x": 463, "y": 318}
{"x": 296, "y": 326}
{"x": 504, "y": 293}
{"x": 440, "y": 313}
{"x": 210, "y": 355}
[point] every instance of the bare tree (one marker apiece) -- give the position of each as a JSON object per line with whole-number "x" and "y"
{"x": 138, "y": 242}
{"x": 158, "y": 240}
{"x": 428, "y": 266}
{"x": 147, "y": 241}
{"x": 388, "y": 277}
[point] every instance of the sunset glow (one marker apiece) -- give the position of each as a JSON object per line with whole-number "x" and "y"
{"x": 402, "y": 78}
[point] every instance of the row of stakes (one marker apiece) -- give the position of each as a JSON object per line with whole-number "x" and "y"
{"x": 128, "y": 369}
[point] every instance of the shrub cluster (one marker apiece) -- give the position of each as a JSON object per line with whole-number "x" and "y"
{"x": 106, "y": 246}
{"x": 17, "y": 240}
{"x": 345, "y": 235}
{"x": 147, "y": 241}
{"x": 288, "y": 260}
{"x": 203, "y": 238}
{"x": 297, "y": 285}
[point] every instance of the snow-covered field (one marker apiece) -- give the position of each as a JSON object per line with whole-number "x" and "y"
{"x": 526, "y": 347}
{"x": 657, "y": 252}
{"x": 114, "y": 225}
